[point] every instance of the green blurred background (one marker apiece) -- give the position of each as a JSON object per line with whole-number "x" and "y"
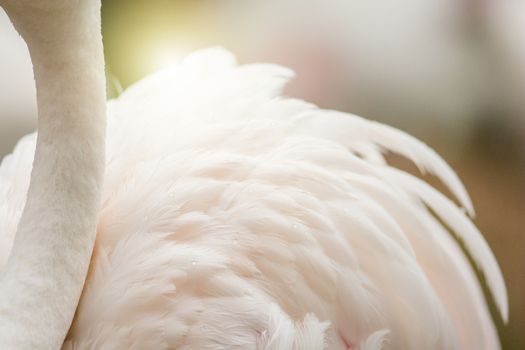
{"x": 451, "y": 72}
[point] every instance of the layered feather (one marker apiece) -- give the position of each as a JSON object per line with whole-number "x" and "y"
{"x": 236, "y": 218}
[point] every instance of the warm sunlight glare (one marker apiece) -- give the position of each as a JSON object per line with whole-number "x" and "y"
{"x": 163, "y": 55}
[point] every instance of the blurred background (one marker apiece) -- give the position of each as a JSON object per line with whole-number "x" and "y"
{"x": 451, "y": 72}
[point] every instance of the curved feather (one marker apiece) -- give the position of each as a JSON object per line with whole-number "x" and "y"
{"x": 236, "y": 218}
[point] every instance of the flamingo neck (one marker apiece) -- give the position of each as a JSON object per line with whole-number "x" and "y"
{"x": 41, "y": 284}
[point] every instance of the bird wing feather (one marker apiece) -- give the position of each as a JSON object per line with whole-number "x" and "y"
{"x": 235, "y": 217}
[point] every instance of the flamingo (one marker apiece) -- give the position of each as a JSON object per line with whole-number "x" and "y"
{"x": 217, "y": 214}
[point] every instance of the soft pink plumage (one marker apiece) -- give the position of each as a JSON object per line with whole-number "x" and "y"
{"x": 237, "y": 219}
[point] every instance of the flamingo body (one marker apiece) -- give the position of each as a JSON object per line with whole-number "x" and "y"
{"x": 233, "y": 218}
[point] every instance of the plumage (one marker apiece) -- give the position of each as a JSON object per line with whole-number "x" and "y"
{"x": 234, "y": 217}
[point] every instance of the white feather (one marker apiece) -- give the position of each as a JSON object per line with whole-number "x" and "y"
{"x": 236, "y": 218}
